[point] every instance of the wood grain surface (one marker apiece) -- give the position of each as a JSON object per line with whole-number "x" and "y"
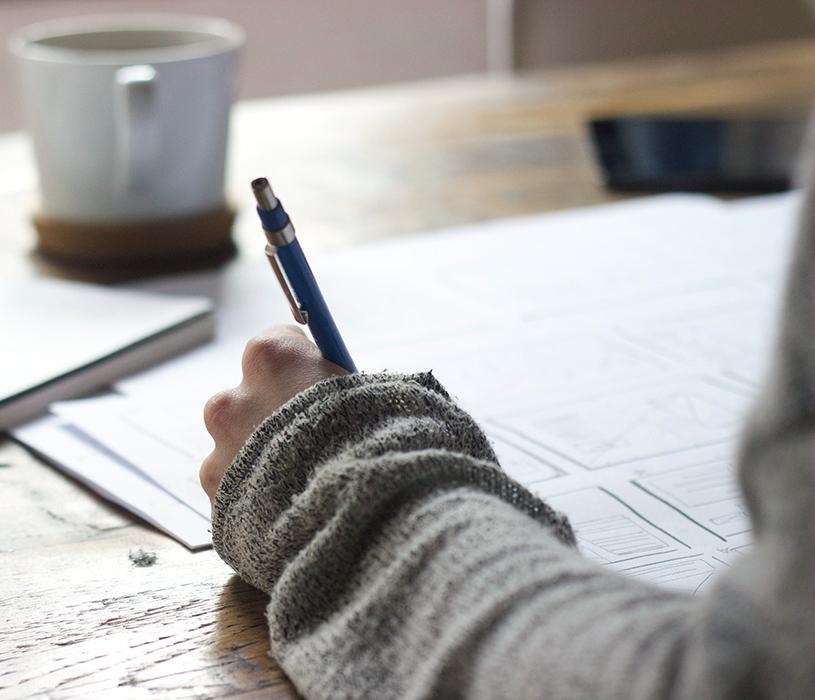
{"x": 79, "y": 619}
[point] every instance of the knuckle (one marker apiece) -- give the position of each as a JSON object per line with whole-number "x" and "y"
{"x": 218, "y": 411}
{"x": 267, "y": 353}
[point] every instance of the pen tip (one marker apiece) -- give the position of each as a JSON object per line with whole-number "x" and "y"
{"x": 264, "y": 194}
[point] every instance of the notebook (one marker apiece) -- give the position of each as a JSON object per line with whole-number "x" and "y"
{"x": 60, "y": 339}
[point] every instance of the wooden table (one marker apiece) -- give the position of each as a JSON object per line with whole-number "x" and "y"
{"x": 78, "y": 618}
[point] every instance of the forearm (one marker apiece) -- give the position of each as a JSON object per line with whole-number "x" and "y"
{"x": 462, "y": 596}
{"x": 401, "y": 562}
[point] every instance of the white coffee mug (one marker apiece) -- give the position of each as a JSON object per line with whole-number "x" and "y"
{"x": 128, "y": 114}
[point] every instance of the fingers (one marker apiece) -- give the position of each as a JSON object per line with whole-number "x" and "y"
{"x": 268, "y": 360}
{"x": 219, "y": 413}
{"x": 212, "y": 472}
{"x": 277, "y": 365}
{"x": 230, "y": 417}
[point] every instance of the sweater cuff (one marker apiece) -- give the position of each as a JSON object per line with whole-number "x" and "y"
{"x": 288, "y": 423}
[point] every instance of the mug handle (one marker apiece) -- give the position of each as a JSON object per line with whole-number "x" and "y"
{"x": 136, "y": 127}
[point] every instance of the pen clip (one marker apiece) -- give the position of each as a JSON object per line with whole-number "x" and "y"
{"x": 300, "y": 314}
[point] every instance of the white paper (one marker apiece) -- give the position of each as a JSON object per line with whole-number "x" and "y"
{"x": 106, "y": 474}
{"x": 171, "y": 465}
{"x": 610, "y": 354}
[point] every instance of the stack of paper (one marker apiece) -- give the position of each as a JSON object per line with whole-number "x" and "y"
{"x": 68, "y": 339}
{"x": 610, "y": 353}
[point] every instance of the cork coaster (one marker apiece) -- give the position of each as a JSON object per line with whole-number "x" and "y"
{"x": 118, "y": 252}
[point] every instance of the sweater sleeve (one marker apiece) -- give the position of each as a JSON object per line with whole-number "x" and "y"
{"x": 402, "y": 563}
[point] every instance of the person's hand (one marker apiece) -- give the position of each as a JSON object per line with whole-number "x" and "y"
{"x": 277, "y": 365}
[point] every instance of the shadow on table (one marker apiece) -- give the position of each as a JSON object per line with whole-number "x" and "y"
{"x": 241, "y": 644}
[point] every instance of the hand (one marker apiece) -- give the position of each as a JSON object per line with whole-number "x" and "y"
{"x": 277, "y": 365}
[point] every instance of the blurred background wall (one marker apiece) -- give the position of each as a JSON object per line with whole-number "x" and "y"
{"x": 309, "y": 45}
{"x": 554, "y": 32}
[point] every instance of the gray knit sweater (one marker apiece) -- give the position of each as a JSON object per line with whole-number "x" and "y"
{"x": 402, "y": 563}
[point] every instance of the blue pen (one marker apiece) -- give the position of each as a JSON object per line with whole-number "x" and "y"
{"x": 294, "y": 274}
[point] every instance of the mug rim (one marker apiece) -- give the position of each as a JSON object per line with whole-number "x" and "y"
{"x": 223, "y": 36}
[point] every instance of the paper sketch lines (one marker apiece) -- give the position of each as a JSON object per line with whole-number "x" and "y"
{"x": 687, "y": 573}
{"x": 616, "y": 538}
{"x": 680, "y": 511}
{"x": 610, "y": 531}
{"x": 627, "y": 506}
{"x": 531, "y": 438}
{"x": 707, "y": 494}
{"x": 520, "y": 462}
{"x": 635, "y": 424}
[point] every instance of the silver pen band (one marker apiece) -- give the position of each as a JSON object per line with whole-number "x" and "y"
{"x": 282, "y": 237}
